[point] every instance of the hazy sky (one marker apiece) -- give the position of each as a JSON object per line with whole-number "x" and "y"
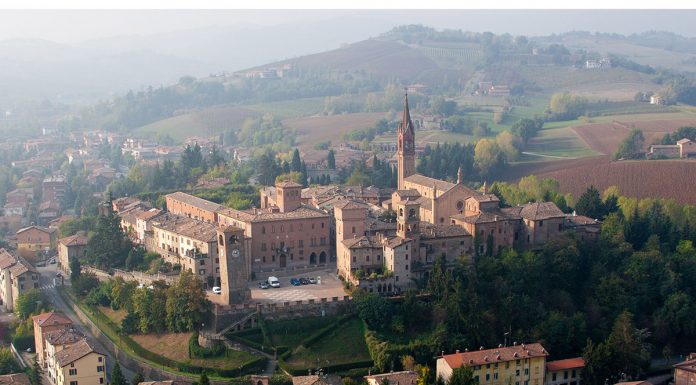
{"x": 69, "y": 26}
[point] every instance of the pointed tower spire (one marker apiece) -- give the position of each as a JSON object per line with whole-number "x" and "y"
{"x": 406, "y": 123}
{"x": 405, "y": 147}
{"x": 459, "y": 175}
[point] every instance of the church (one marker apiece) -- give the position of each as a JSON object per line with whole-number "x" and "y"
{"x": 437, "y": 218}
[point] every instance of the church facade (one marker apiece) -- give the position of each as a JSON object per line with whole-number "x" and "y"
{"x": 437, "y": 218}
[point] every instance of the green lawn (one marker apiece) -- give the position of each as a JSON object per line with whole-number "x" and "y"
{"x": 562, "y": 142}
{"x": 292, "y": 333}
{"x": 345, "y": 344}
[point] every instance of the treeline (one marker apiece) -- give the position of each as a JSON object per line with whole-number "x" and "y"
{"x": 136, "y": 109}
{"x": 159, "y": 308}
{"x": 618, "y": 302}
{"x": 260, "y": 131}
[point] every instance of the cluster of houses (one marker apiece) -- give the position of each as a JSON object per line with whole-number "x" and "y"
{"x": 683, "y": 149}
{"x": 66, "y": 355}
{"x": 17, "y": 276}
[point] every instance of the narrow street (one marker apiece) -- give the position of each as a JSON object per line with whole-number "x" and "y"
{"x": 47, "y": 275}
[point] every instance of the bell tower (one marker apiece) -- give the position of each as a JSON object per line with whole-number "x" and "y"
{"x": 407, "y": 218}
{"x": 405, "y": 147}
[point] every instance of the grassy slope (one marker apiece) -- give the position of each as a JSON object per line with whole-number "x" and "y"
{"x": 343, "y": 345}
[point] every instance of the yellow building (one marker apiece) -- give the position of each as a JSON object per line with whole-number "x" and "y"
{"x": 523, "y": 364}
{"x": 80, "y": 364}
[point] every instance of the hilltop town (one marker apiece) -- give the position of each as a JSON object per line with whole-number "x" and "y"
{"x": 458, "y": 208}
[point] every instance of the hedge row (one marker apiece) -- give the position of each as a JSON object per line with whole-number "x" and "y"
{"x": 198, "y": 351}
{"x": 295, "y": 371}
{"x": 250, "y": 366}
{"x": 264, "y": 348}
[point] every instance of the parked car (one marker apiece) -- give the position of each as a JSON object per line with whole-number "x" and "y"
{"x": 304, "y": 281}
{"x": 263, "y": 285}
{"x": 312, "y": 280}
{"x": 273, "y": 281}
{"x": 52, "y": 261}
{"x": 295, "y": 282}
{"x": 217, "y": 290}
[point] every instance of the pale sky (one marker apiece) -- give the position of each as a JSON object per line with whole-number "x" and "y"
{"x": 70, "y": 26}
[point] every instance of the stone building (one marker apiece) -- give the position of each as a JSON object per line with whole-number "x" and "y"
{"x": 284, "y": 232}
{"x": 685, "y": 371}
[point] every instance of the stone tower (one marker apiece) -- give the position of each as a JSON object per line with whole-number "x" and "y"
{"x": 406, "y": 147}
{"x": 407, "y": 218}
{"x": 234, "y": 265}
{"x": 289, "y": 196}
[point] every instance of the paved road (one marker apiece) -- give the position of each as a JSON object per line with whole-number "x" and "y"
{"x": 47, "y": 275}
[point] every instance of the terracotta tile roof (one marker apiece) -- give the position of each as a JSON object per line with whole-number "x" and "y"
{"x": 43, "y": 229}
{"x": 375, "y": 224}
{"x": 349, "y": 204}
{"x": 186, "y": 226}
{"x": 395, "y": 378}
{"x": 580, "y": 220}
{"x": 487, "y": 217}
{"x": 195, "y": 201}
{"x": 485, "y": 197}
{"x": 14, "y": 379}
{"x": 6, "y": 259}
{"x": 74, "y": 240}
{"x": 76, "y": 351}
{"x": 429, "y": 230}
{"x": 689, "y": 364}
{"x": 398, "y": 241}
{"x": 570, "y": 363}
{"x": 259, "y": 215}
{"x": 409, "y": 193}
{"x": 429, "y": 182}
{"x": 65, "y": 336}
{"x": 541, "y": 210}
{"x": 51, "y": 318}
{"x": 316, "y": 380}
{"x": 362, "y": 242}
{"x": 20, "y": 268}
{"x": 482, "y": 357}
{"x": 145, "y": 215}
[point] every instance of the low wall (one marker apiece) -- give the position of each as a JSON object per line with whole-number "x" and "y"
{"x": 225, "y": 316}
{"x": 144, "y": 278}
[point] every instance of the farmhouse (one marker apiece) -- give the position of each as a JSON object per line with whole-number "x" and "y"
{"x": 684, "y": 148}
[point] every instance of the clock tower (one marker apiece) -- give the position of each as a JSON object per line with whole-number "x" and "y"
{"x": 406, "y": 147}
{"x": 234, "y": 265}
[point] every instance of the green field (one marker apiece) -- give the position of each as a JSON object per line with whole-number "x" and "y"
{"x": 344, "y": 344}
{"x": 559, "y": 142}
{"x": 290, "y": 108}
{"x": 205, "y": 122}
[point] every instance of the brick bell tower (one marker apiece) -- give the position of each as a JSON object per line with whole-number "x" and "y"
{"x": 406, "y": 147}
{"x": 234, "y": 265}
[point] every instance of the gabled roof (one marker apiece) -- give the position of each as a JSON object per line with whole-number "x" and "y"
{"x": 73, "y": 240}
{"x": 570, "y": 363}
{"x": 43, "y": 229}
{"x": 683, "y": 141}
{"x": 76, "y": 351}
{"x": 426, "y": 181}
{"x": 482, "y": 357}
{"x": 6, "y": 259}
{"x": 169, "y": 382}
{"x": 51, "y": 318}
{"x": 541, "y": 210}
{"x": 349, "y": 204}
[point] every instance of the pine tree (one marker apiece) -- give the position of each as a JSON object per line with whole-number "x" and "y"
{"x": 117, "y": 377}
{"x": 331, "y": 160}
{"x": 296, "y": 163}
{"x": 203, "y": 380}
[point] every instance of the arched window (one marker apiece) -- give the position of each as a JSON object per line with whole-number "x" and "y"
{"x": 221, "y": 240}
{"x": 401, "y": 212}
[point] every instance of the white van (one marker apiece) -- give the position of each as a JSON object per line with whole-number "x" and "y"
{"x": 273, "y": 281}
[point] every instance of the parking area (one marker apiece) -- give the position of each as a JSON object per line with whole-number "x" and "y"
{"x": 329, "y": 286}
